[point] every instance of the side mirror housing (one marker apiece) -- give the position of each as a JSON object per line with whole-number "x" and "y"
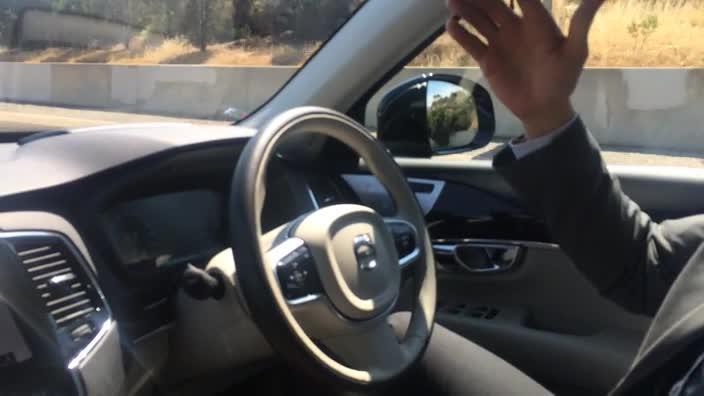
{"x": 435, "y": 114}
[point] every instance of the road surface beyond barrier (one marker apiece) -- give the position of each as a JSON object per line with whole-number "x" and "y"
{"x": 20, "y": 117}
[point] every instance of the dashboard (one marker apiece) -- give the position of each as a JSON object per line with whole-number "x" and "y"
{"x": 164, "y": 232}
{"x": 135, "y": 212}
{"x": 167, "y": 230}
{"x": 96, "y": 239}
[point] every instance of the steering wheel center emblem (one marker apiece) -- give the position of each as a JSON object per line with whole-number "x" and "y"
{"x": 365, "y": 251}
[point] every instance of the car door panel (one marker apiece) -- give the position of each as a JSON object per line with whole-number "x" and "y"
{"x": 542, "y": 314}
{"x": 663, "y": 192}
{"x": 543, "y": 317}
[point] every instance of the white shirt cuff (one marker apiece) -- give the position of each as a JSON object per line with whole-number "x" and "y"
{"x": 525, "y": 147}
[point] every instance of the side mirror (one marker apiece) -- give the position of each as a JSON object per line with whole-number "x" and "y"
{"x": 435, "y": 114}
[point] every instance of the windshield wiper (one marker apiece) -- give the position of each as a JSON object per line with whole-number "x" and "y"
{"x": 25, "y": 137}
{"x": 41, "y": 135}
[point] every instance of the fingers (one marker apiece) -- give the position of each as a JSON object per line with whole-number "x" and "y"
{"x": 475, "y": 16}
{"x": 497, "y": 10}
{"x": 578, "y": 36}
{"x": 467, "y": 40}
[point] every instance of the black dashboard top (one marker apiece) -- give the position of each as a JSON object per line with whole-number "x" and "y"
{"x": 57, "y": 160}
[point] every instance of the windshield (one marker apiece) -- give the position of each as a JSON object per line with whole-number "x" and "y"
{"x": 82, "y": 63}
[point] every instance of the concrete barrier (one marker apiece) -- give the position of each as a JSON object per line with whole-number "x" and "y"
{"x": 178, "y": 90}
{"x": 645, "y": 108}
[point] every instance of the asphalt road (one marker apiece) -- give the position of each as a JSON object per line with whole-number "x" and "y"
{"x": 22, "y": 118}
{"x": 19, "y": 118}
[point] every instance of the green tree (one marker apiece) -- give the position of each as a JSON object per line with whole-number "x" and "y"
{"x": 241, "y": 18}
{"x": 8, "y": 18}
{"x": 450, "y": 115}
{"x": 207, "y": 21}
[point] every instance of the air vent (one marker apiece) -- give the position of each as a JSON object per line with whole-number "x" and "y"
{"x": 69, "y": 293}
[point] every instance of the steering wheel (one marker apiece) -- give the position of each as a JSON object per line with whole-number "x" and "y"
{"x": 322, "y": 288}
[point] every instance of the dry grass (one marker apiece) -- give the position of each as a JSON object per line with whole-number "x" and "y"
{"x": 676, "y": 39}
{"x": 443, "y": 52}
{"x": 666, "y": 33}
{"x": 173, "y": 51}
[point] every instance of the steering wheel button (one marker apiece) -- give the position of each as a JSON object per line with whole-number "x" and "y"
{"x": 405, "y": 244}
{"x": 297, "y": 275}
{"x": 304, "y": 254}
{"x": 404, "y": 237}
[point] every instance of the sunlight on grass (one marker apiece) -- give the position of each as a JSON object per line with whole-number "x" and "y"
{"x": 253, "y": 52}
{"x": 673, "y": 39}
{"x": 647, "y": 33}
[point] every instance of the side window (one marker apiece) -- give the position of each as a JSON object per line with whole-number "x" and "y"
{"x": 641, "y": 94}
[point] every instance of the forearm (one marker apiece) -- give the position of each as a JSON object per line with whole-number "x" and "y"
{"x": 610, "y": 239}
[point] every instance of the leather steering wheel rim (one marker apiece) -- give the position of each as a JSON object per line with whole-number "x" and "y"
{"x": 339, "y": 357}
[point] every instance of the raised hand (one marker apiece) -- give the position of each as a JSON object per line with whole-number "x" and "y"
{"x": 531, "y": 66}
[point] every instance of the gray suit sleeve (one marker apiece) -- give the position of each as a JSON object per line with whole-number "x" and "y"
{"x": 628, "y": 257}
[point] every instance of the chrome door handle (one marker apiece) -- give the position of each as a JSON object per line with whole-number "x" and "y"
{"x": 481, "y": 257}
